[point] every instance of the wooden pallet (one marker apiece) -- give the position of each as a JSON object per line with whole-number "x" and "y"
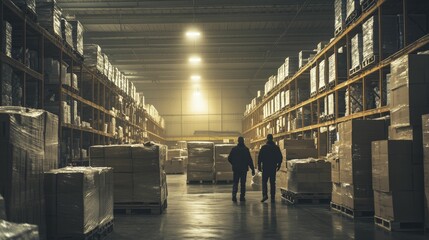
{"x": 355, "y": 70}
{"x": 331, "y": 85}
{"x": 352, "y": 213}
{"x": 224, "y": 181}
{"x": 154, "y": 208}
{"x": 338, "y": 31}
{"x": 91, "y": 235}
{"x": 290, "y": 197}
{"x": 368, "y": 61}
{"x": 352, "y": 18}
{"x": 174, "y": 173}
{"x": 390, "y": 225}
{"x": 105, "y": 229}
{"x": 313, "y": 94}
{"x": 367, "y": 4}
{"x": 322, "y": 89}
{"x": 200, "y": 181}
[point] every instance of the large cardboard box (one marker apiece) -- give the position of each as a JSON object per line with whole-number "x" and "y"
{"x": 309, "y": 176}
{"x": 400, "y": 206}
{"x": 301, "y": 153}
{"x": 357, "y": 197}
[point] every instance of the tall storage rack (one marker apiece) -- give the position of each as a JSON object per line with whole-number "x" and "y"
{"x": 255, "y": 126}
{"x": 95, "y": 97}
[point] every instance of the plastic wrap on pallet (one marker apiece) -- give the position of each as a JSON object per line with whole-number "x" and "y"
{"x": 313, "y": 80}
{"x": 6, "y": 85}
{"x": 221, "y": 157}
{"x": 93, "y": 57}
{"x": 199, "y": 149}
{"x": 9, "y": 230}
{"x": 73, "y": 199}
{"x": 77, "y": 36}
{"x": 27, "y": 137}
{"x": 352, "y": 7}
{"x": 356, "y": 50}
{"x": 322, "y": 74}
{"x": 105, "y": 65}
{"x": 340, "y": 14}
{"x": 67, "y": 32}
{"x": 7, "y": 39}
{"x": 291, "y": 66}
{"x": 309, "y": 176}
{"x": 331, "y": 104}
{"x": 105, "y": 195}
{"x": 49, "y": 16}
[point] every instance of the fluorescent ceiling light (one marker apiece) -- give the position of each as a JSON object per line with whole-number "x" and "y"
{"x": 194, "y": 60}
{"x": 193, "y": 34}
{"x": 195, "y": 77}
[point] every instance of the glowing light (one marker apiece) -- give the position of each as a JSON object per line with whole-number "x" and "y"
{"x": 195, "y": 78}
{"x": 193, "y": 34}
{"x": 195, "y": 60}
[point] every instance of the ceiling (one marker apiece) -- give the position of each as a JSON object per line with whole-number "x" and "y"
{"x": 243, "y": 41}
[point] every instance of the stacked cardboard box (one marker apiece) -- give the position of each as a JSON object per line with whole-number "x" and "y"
{"x": 337, "y": 67}
{"x": 223, "y": 169}
{"x": 298, "y": 149}
{"x": 304, "y": 56}
{"x": 356, "y": 51}
{"x": 313, "y": 81}
{"x": 138, "y": 171}
{"x": 77, "y": 36}
{"x": 49, "y": 16}
{"x": 353, "y": 8}
{"x": 93, "y": 57}
{"x": 322, "y": 75}
{"x": 175, "y": 162}
{"x": 309, "y": 176}
{"x": 7, "y": 39}
{"x": 200, "y": 161}
{"x": 355, "y": 169}
{"x": 26, "y": 5}
{"x": 9, "y": 230}
{"x": 425, "y": 120}
{"x": 79, "y": 200}
{"x": 67, "y": 32}
{"x": 397, "y": 182}
{"x": 340, "y": 16}
{"x": 29, "y": 147}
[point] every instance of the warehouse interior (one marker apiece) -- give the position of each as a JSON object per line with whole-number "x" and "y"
{"x": 119, "y": 119}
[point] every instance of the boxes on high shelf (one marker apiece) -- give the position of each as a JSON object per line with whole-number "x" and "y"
{"x": 304, "y": 56}
{"x": 26, "y": 5}
{"x": 356, "y": 51}
{"x": 67, "y": 32}
{"x": 93, "y": 57}
{"x": 55, "y": 71}
{"x": 7, "y": 39}
{"x": 49, "y": 17}
{"x": 340, "y": 15}
{"x": 353, "y": 8}
{"x": 322, "y": 75}
{"x": 29, "y": 147}
{"x": 309, "y": 176}
{"x": 298, "y": 149}
{"x": 337, "y": 67}
{"x": 313, "y": 80}
{"x": 77, "y": 36}
{"x": 6, "y": 85}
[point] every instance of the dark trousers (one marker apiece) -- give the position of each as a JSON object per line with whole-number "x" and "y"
{"x": 272, "y": 176}
{"x": 239, "y": 177}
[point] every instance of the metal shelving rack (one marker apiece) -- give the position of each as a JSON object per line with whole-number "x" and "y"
{"x": 253, "y": 121}
{"x": 95, "y": 97}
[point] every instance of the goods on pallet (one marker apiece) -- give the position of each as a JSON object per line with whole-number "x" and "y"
{"x": 93, "y": 57}
{"x": 77, "y": 36}
{"x": 79, "y": 200}
{"x": 67, "y": 32}
{"x": 7, "y": 39}
{"x": 337, "y": 67}
{"x": 175, "y": 165}
{"x": 313, "y": 81}
{"x": 138, "y": 171}
{"x": 55, "y": 71}
{"x": 354, "y": 99}
{"x": 355, "y": 168}
{"x": 298, "y": 149}
{"x": 340, "y": 16}
{"x": 304, "y": 56}
{"x": 200, "y": 161}
{"x": 353, "y": 9}
{"x": 356, "y": 52}
{"x": 6, "y": 85}
{"x": 49, "y": 16}
{"x": 33, "y": 136}
{"x": 10, "y": 230}
{"x": 322, "y": 75}
{"x": 309, "y": 176}
{"x": 223, "y": 169}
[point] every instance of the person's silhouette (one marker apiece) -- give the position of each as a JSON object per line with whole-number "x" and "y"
{"x": 269, "y": 162}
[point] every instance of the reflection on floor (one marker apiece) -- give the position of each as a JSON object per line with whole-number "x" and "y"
{"x": 207, "y": 212}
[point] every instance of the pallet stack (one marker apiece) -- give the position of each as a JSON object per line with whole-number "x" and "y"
{"x": 223, "y": 169}
{"x": 200, "y": 162}
{"x": 140, "y": 182}
{"x": 308, "y": 180}
{"x": 10, "y": 230}
{"x": 175, "y": 163}
{"x": 28, "y": 147}
{"x": 354, "y": 169}
{"x": 80, "y": 202}
{"x": 397, "y": 184}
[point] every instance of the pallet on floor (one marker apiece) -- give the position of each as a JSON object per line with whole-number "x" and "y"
{"x": 395, "y": 226}
{"x": 224, "y": 181}
{"x": 140, "y": 208}
{"x": 352, "y": 213}
{"x": 290, "y": 197}
{"x": 91, "y": 235}
{"x": 200, "y": 181}
{"x": 105, "y": 229}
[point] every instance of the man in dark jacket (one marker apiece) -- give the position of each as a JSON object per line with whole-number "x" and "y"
{"x": 240, "y": 159}
{"x": 269, "y": 162}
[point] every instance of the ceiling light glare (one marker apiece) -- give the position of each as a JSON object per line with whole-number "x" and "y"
{"x": 195, "y": 60}
{"x": 193, "y": 34}
{"x": 195, "y": 78}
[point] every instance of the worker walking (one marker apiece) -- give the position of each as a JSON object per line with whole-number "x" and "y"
{"x": 269, "y": 162}
{"x": 240, "y": 159}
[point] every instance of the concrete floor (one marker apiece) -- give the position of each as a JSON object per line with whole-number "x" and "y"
{"x": 207, "y": 212}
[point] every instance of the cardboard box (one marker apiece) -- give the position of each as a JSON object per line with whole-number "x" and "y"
{"x": 336, "y": 193}
{"x": 357, "y": 197}
{"x": 301, "y": 153}
{"x": 390, "y": 206}
{"x": 117, "y": 151}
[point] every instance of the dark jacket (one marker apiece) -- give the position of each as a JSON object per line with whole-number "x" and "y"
{"x": 270, "y": 157}
{"x": 240, "y": 159}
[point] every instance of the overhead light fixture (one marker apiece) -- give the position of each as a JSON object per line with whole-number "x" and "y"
{"x": 195, "y": 78}
{"x": 193, "y": 34}
{"x": 195, "y": 60}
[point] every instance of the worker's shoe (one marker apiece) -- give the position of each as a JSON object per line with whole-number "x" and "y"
{"x": 242, "y": 199}
{"x": 234, "y": 198}
{"x": 265, "y": 198}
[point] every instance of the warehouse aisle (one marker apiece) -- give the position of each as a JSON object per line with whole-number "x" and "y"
{"x": 207, "y": 212}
